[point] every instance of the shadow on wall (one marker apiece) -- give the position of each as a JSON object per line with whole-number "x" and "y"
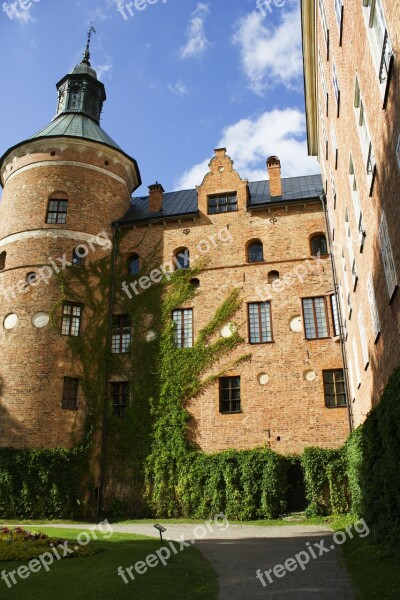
{"x": 9, "y": 428}
{"x": 386, "y": 194}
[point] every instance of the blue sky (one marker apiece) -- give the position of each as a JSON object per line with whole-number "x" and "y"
{"x": 182, "y": 77}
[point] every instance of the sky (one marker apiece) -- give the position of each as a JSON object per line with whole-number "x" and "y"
{"x": 182, "y": 77}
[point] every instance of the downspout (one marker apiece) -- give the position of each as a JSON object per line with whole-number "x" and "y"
{"x": 100, "y": 495}
{"x": 339, "y": 312}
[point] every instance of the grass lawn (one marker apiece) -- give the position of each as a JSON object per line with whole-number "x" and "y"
{"x": 187, "y": 574}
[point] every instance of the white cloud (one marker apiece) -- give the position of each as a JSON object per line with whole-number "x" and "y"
{"x": 105, "y": 68}
{"x": 197, "y": 43}
{"x": 271, "y": 55}
{"x": 249, "y": 142}
{"x": 178, "y": 88}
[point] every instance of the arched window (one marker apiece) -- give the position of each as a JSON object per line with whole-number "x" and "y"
{"x": 3, "y": 256}
{"x": 134, "y": 264}
{"x": 78, "y": 255}
{"x": 318, "y": 245}
{"x": 182, "y": 258}
{"x": 195, "y": 283}
{"x": 273, "y": 276}
{"x": 255, "y": 251}
{"x": 30, "y": 279}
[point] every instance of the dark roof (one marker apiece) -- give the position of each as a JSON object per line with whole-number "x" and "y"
{"x": 184, "y": 203}
{"x": 76, "y": 125}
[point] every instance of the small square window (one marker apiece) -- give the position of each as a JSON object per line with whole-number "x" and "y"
{"x": 57, "y": 212}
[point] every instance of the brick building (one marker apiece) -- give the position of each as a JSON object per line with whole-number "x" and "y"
{"x": 352, "y": 87}
{"x": 68, "y": 188}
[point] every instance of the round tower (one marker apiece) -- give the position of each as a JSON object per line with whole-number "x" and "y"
{"x": 63, "y": 187}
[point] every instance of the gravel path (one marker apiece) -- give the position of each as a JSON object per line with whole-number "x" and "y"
{"x": 237, "y": 552}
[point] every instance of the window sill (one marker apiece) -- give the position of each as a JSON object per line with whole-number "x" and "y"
{"x": 341, "y": 406}
{"x": 231, "y": 412}
{"x": 68, "y": 408}
{"x": 261, "y": 343}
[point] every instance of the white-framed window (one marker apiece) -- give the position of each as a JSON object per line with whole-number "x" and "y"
{"x": 387, "y": 257}
{"x": 323, "y": 81}
{"x": 363, "y": 338}
{"x": 351, "y": 379}
{"x": 352, "y": 259}
{"x": 335, "y": 149}
{"x": 356, "y": 363}
{"x": 336, "y": 87}
{"x": 339, "y": 18}
{"x": 356, "y": 204}
{"x": 324, "y": 22}
{"x": 364, "y": 136}
{"x": 346, "y": 285}
{"x": 333, "y": 188}
{"x": 376, "y": 323}
{"x": 381, "y": 46}
{"x": 323, "y": 139}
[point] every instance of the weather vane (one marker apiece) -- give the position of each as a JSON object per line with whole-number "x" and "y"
{"x": 86, "y": 54}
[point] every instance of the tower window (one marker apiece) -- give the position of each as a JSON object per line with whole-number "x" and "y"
{"x": 255, "y": 252}
{"x": 229, "y": 394}
{"x": 3, "y": 256}
{"x": 315, "y": 321}
{"x": 121, "y": 334}
{"x": 260, "y": 328}
{"x": 222, "y": 203}
{"x": 334, "y": 388}
{"x": 183, "y": 320}
{"x": 70, "y": 393}
{"x": 273, "y": 276}
{"x": 71, "y": 319}
{"x": 318, "y": 245}
{"x": 119, "y": 397}
{"x": 182, "y": 258}
{"x": 133, "y": 264}
{"x": 30, "y": 279}
{"x": 57, "y": 212}
{"x": 78, "y": 256}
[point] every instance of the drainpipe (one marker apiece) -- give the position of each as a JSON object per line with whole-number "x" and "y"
{"x": 111, "y": 298}
{"x": 339, "y": 311}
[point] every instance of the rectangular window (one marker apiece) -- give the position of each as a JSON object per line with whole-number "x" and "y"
{"x": 121, "y": 334}
{"x": 71, "y": 319}
{"x": 229, "y": 394}
{"x": 356, "y": 363}
{"x": 335, "y": 314}
{"x": 119, "y": 396}
{"x": 315, "y": 321}
{"x": 381, "y": 46}
{"x": 364, "y": 137}
{"x": 356, "y": 204}
{"x": 376, "y": 323}
{"x": 336, "y": 87}
{"x": 183, "y": 319}
{"x": 334, "y": 388}
{"x": 324, "y": 88}
{"x": 339, "y": 18}
{"x": 363, "y": 338}
{"x": 324, "y": 22}
{"x": 387, "y": 257}
{"x": 70, "y": 393}
{"x": 352, "y": 260}
{"x": 398, "y": 152}
{"x": 57, "y": 212}
{"x": 334, "y": 146}
{"x": 346, "y": 283}
{"x": 222, "y": 203}
{"x": 260, "y": 327}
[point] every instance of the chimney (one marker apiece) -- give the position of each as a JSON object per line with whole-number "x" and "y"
{"x": 274, "y": 172}
{"x": 155, "y": 197}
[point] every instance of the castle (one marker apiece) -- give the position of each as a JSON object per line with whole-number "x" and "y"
{"x": 68, "y": 196}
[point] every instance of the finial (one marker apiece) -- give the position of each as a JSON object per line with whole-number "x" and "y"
{"x": 86, "y": 54}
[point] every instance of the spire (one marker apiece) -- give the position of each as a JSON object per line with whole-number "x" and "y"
{"x": 86, "y": 54}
